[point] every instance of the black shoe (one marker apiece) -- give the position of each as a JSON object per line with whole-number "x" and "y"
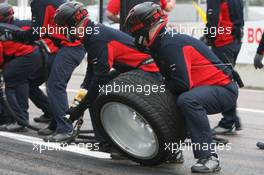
{"x": 209, "y": 165}
{"x": 13, "y": 127}
{"x": 3, "y": 127}
{"x": 61, "y": 137}
{"x": 46, "y": 132}
{"x": 218, "y": 140}
{"x": 177, "y": 157}
{"x": 238, "y": 126}
{"x": 43, "y": 119}
{"x": 219, "y": 130}
{"x": 260, "y": 145}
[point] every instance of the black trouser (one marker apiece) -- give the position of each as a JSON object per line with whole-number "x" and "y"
{"x": 65, "y": 62}
{"x": 231, "y": 52}
{"x": 16, "y": 75}
{"x": 196, "y": 104}
{"x": 36, "y": 95}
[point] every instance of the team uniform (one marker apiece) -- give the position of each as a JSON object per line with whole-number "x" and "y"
{"x": 201, "y": 83}
{"x": 228, "y": 15}
{"x": 110, "y": 49}
{"x": 68, "y": 56}
{"x": 21, "y": 64}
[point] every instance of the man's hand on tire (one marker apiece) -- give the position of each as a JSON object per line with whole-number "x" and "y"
{"x": 258, "y": 61}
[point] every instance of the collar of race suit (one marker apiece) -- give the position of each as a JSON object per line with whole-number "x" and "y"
{"x": 155, "y": 41}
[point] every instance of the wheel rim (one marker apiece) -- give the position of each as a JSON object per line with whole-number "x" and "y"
{"x": 129, "y": 130}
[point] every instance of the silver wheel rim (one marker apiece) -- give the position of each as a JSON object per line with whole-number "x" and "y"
{"x": 129, "y": 130}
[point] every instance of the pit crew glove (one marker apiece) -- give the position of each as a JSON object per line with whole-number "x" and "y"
{"x": 258, "y": 61}
{"x": 76, "y": 110}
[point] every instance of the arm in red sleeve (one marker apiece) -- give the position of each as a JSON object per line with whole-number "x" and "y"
{"x": 114, "y": 7}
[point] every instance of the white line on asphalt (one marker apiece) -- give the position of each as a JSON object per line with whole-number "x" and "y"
{"x": 45, "y": 146}
{"x": 251, "y": 90}
{"x": 251, "y": 110}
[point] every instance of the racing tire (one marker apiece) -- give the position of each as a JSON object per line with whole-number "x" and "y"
{"x": 140, "y": 125}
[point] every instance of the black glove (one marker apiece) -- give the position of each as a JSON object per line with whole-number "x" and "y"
{"x": 258, "y": 61}
{"x": 76, "y": 112}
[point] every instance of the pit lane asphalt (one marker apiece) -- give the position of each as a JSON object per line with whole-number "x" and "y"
{"x": 19, "y": 158}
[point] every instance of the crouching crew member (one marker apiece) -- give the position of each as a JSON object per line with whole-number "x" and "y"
{"x": 202, "y": 84}
{"x": 20, "y": 63}
{"x": 68, "y": 57}
{"x": 224, "y": 31}
{"x": 107, "y": 48}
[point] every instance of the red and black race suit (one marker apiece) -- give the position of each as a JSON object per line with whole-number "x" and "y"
{"x": 109, "y": 48}
{"x": 187, "y": 63}
{"x": 12, "y": 49}
{"x": 43, "y": 19}
{"x": 225, "y": 20}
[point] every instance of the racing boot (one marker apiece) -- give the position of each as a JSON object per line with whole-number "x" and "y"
{"x": 13, "y": 127}
{"x": 260, "y": 145}
{"x": 176, "y": 158}
{"x": 61, "y": 137}
{"x": 209, "y": 165}
{"x": 43, "y": 119}
{"x": 220, "y": 130}
{"x": 46, "y": 131}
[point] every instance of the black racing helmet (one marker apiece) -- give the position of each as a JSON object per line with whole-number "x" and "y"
{"x": 6, "y": 13}
{"x": 142, "y": 18}
{"x": 70, "y": 14}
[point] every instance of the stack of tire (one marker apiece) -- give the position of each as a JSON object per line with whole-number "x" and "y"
{"x": 140, "y": 126}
